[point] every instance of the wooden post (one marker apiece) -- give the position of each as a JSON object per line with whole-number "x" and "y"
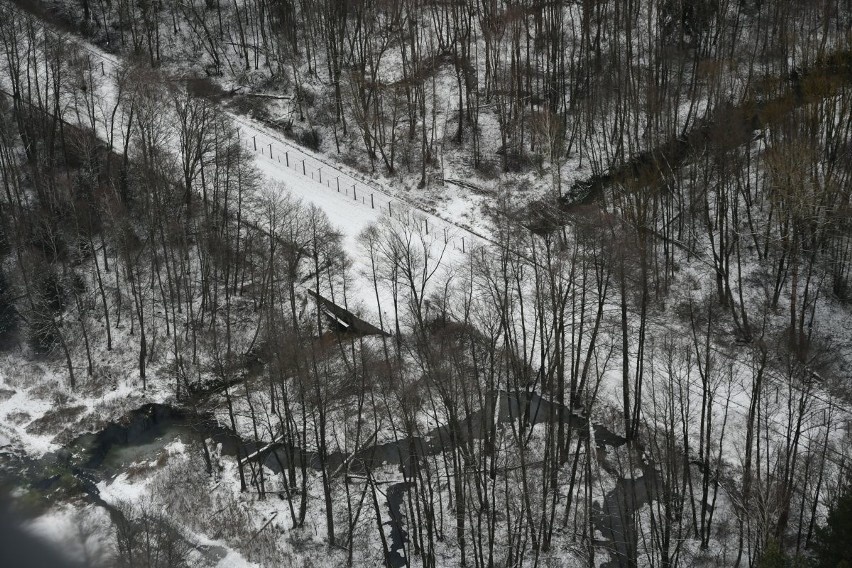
{"x": 303, "y": 168}
{"x": 338, "y": 185}
{"x": 372, "y": 203}
{"x": 462, "y": 244}
{"x": 287, "y": 158}
{"x": 254, "y": 139}
{"x": 354, "y": 194}
{"x": 319, "y": 171}
{"x": 270, "y": 149}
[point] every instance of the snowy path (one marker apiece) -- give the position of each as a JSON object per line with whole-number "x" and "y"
{"x": 350, "y": 203}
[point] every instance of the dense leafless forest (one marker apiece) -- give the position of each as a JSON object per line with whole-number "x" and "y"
{"x": 427, "y": 282}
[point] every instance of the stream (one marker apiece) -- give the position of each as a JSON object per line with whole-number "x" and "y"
{"x": 139, "y": 435}
{"x": 143, "y": 433}
{"x": 612, "y": 519}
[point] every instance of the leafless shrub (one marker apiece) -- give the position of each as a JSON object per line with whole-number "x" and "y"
{"x": 146, "y": 539}
{"x": 54, "y": 420}
{"x": 183, "y": 488}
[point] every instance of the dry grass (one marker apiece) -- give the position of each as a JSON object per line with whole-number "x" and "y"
{"x": 54, "y": 421}
{"x": 18, "y": 417}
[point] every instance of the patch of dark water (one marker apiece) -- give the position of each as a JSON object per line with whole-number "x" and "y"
{"x": 615, "y": 517}
{"x": 398, "y": 541}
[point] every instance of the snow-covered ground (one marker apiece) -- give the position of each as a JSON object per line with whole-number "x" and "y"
{"x": 352, "y": 204}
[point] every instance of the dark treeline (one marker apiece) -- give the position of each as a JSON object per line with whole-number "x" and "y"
{"x": 134, "y": 221}
{"x": 397, "y": 82}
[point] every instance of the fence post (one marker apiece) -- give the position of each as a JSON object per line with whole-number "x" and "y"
{"x": 389, "y": 208}
{"x": 427, "y": 225}
{"x": 462, "y": 244}
{"x": 372, "y": 203}
{"x": 287, "y": 158}
{"x": 303, "y": 168}
{"x": 354, "y": 194}
{"x": 338, "y": 185}
{"x": 445, "y": 235}
{"x": 102, "y": 68}
{"x": 254, "y": 139}
{"x": 270, "y": 149}
{"x": 319, "y": 171}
